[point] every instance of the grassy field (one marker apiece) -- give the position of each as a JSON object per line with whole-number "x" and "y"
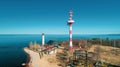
{"x": 107, "y": 54}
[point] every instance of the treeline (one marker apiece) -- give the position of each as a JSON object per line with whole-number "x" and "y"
{"x": 106, "y": 42}
{"x": 87, "y": 42}
{"x": 33, "y": 46}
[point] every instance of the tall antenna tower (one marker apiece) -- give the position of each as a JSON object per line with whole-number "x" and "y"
{"x": 70, "y": 22}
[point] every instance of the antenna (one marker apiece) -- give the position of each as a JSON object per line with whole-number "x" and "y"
{"x": 70, "y": 22}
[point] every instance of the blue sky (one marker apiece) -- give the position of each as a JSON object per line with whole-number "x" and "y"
{"x": 50, "y": 16}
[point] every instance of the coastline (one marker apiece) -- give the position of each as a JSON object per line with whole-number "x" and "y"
{"x": 28, "y": 57}
{"x": 34, "y": 59}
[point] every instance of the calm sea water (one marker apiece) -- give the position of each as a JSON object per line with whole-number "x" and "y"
{"x": 11, "y": 46}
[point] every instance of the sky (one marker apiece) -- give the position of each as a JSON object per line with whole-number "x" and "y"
{"x": 51, "y": 16}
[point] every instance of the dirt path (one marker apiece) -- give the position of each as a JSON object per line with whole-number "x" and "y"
{"x": 35, "y": 60}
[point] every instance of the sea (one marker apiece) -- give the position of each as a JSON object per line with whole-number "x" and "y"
{"x": 11, "y": 45}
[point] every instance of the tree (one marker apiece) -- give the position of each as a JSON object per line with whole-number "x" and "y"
{"x": 96, "y": 41}
{"x": 52, "y": 42}
{"x": 106, "y": 42}
{"x": 30, "y": 45}
{"x": 60, "y": 42}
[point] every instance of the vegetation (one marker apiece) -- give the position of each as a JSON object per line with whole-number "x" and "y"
{"x": 107, "y": 55}
{"x": 34, "y": 46}
{"x": 52, "y": 42}
{"x": 87, "y": 42}
{"x": 106, "y": 42}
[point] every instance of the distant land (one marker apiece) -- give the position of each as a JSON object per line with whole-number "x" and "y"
{"x": 114, "y": 34}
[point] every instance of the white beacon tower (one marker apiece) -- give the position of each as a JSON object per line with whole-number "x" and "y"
{"x": 43, "y": 39}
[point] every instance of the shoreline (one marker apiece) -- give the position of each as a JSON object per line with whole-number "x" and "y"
{"x": 34, "y": 59}
{"x": 28, "y": 57}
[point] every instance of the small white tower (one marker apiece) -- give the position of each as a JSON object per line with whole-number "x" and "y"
{"x": 43, "y": 39}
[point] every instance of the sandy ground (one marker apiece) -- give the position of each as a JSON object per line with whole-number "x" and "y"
{"x": 45, "y": 61}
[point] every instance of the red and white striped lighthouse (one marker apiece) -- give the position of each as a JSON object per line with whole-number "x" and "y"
{"x": 70, "y": 22}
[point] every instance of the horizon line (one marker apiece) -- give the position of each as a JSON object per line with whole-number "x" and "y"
{"x": 58, "y": 34}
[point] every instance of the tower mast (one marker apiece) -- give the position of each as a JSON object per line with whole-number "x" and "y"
{"x": 70, "y": 22}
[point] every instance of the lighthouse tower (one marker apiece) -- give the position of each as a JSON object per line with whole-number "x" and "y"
{"x": 70, "y": 22}
{"x": 43, "y": 39}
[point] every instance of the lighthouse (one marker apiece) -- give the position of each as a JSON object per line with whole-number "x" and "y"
{"x": 43, "y": 39}
{"x": 70, "y": 22}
